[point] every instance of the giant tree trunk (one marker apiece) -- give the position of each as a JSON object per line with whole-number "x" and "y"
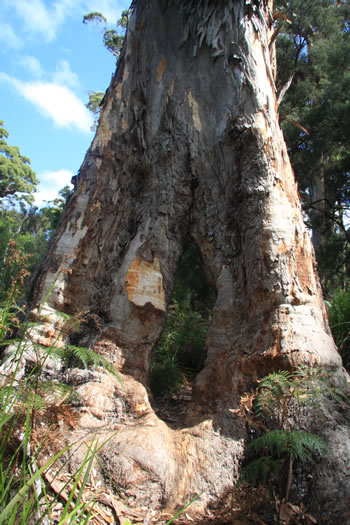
{"x": 188, "y": 146}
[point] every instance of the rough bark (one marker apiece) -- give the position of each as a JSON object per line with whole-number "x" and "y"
{"x": 188, "y": 146}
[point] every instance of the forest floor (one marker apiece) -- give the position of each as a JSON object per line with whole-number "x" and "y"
{"x": 171, "y": 408}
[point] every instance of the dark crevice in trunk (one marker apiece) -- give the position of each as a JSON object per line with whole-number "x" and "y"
{"x": 180, "y": 353}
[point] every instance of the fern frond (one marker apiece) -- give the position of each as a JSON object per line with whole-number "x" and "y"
{"x": 53, "y": 351}
{"x": 261, "y": 469}
{"x": 36, "y": 401}
{"x": 52, "y": 388}
{"x": 296, "y": 444}
{"x": 303, "y": 445}
{"x": 272, "y": 389}
{"x": 89, "y": 358}
{"x": 275, "y": 443}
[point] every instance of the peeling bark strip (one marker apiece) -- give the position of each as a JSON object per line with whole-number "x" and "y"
{"x": 188, "y": 145}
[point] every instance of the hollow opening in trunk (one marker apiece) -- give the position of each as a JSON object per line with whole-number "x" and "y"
{"x": 180, "y": 353}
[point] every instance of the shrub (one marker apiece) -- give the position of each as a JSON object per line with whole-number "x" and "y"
{"x": 339, "y": 320}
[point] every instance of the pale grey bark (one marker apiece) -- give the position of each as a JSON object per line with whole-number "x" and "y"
{"x": 188, "y": 145}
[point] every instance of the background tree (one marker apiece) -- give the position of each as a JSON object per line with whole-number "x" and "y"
{"x": 94, "y": 105}
{"x": 113, "y": 41}
{"x": 17, "y": 180}
{"x": 112, "y": 38}
{"x": 28, "y": 230}
{"x": 314, "y": 47}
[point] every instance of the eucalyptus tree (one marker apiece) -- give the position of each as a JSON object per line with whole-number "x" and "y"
{"x": 188, "y": 147}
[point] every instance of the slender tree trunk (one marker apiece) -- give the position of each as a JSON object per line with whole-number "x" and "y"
{"x": 188, "y": 146}
{"x": 318, "y": 214}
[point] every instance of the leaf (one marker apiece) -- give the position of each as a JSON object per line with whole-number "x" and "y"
{"x": 287, "y": 513}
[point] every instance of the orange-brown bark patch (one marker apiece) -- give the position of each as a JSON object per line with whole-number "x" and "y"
{"x": 305, "y": 270}
{"x": 161, "y": 68}
{"x": 144, "y": 283}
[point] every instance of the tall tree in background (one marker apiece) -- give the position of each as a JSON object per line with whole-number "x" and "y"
{"x": 28, "y": 229}
{"x": 113, "y": 41}
{"x": 22, "y": 223}
{"x": 188, "y": 147}
{"x": 17, "y": 180}
{"x": 314, "y": 46}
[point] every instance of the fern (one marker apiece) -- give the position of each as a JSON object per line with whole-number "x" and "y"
{"x": 274, "y": 442}
{"x": 272, "y": 389}
{"x": 303, "y": 445}
{"x": 87, "y": 357}
{"x": 296, "y": 444}
{"x": 278, "y": 394}
{"x": 33, "y": 399}
{"x": 53, "y": 389}
{"x": 277, "y": 448}
{"x": 261, "y": 469}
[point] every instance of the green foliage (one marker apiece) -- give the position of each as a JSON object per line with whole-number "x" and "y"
{"x": 48, "y": 216}
{"x": 166, "y": 376}
{"x": 281, "y": 392}
{"x": 95, "y": 99}
{"x": 95, "y": 16}
{"x": 272, "y": 393}
{"x": 180, "y": 352}
{"x": 18, "y": 258}
{"x": 25, "y": 401}
{"x": 314, "y": 47}
{"x": 24, "y": 238}
{"x": 339, "y": 320}
{"x": 295, "y": 444}
{"x": 82, "y": 357}
{"x": 261, "y": 470}
{"x": 280, "y": 397}
{"x": 113, "y": 41}
{"x": 273, "y": 448}
{"x": 17, "y": 180}
{"x": 184, "y": 336}
{"x": 94, "y": 105}
{"x": 112, "y": 38}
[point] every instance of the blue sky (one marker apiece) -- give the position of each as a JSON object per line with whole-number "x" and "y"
{"x": 49, "y": 60}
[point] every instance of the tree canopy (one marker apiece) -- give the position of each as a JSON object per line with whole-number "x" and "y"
{"x": 17, "y": 179}
{"x": 112, "y": 38}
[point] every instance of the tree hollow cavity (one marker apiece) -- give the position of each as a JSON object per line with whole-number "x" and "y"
{"x": 180, "y": 352}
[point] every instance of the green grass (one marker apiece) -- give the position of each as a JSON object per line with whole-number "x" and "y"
{"x": 24, "y": 404}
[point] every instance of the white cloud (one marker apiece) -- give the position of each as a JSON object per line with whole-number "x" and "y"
{"x": 64, "y": 75}
{"x": 50, "y": 184}
{"x": 9, "y": 37}
{"x": 37, "y": 18}
{"x": 59, "y": 103}
{"x": 55, "y": 101}
{"x": 32, "y": 64}
{"x": 44, "y": 17}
